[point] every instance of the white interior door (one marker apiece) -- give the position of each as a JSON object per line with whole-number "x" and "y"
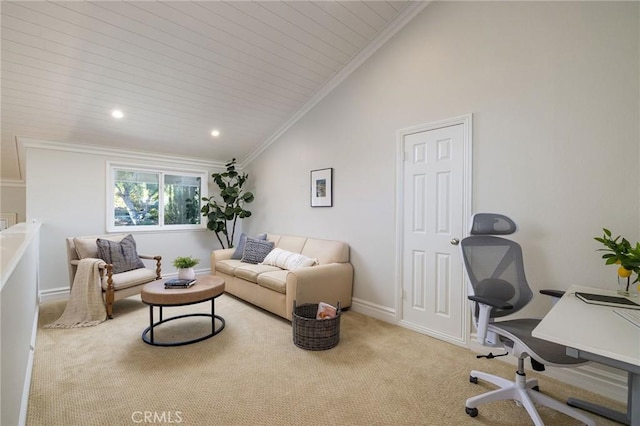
{"x": 435, "y": 203}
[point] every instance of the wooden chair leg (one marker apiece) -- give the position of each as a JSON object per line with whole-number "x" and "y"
{"x": 110, "y": 296}
{"x": 109, "y": 302}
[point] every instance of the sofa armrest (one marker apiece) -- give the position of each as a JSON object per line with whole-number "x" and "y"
{"x": 221, "y": 254}
{"x": 330, "y": 283}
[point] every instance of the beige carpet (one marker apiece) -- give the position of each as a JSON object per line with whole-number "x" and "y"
{"x": 252, "y": 374}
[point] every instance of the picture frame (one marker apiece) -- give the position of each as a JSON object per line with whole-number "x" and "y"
{"x": 322, "y": 188}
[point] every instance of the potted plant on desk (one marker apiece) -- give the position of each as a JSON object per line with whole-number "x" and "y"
{"x": 619, "y": 251}
{"x": 184, "y": 265}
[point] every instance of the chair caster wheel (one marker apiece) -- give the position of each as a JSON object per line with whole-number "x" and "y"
{"x": 473, "y": 380}
{"x": 472, "y": 412}
{"x": 536, "y": 388}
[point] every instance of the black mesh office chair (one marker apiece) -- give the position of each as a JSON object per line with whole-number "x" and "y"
{"x": 499, "y": 288}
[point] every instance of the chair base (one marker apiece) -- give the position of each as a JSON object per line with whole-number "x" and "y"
{"x": 524, "y": 392}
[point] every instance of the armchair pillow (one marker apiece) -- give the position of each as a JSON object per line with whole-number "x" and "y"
{"x": 123, "y": 255}
{"x": 86, "y": 247}
{"x": 288, "y": 260}
{"x": 256, "y": 250}
{"x": 242, "y": 241}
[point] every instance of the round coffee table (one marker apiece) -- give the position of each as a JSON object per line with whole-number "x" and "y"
{"x": 207, "y": 287}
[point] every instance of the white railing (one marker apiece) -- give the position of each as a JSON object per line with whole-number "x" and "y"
{"x": 19, "y": 258}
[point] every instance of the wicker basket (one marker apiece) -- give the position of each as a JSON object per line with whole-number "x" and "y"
{"x": 313, "y": 334}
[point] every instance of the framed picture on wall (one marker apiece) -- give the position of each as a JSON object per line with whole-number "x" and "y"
{"x": 322, "y": 188}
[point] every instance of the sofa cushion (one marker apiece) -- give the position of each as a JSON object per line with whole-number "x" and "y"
{"x": 273, "y": 237}
{"x": 256, "y": 250}
{"x": 326, "y": 251}
{"x": 276, "y": 281}
{"x": 291, "y": 243}
{"x": 228, "y": 266}
{"x": 122, "y": 255}
{"x": 130, "y": 278}
{"x": 287, "y": 260}
{"x": 250, "y": 272}
{"x": 242, "y": 241}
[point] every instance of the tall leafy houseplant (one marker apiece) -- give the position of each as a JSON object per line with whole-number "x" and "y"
{"x": 223, "y": 216}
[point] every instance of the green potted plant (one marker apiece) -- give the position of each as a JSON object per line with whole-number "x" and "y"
{"x": 223, "y": 216}
{"x": 620, "y": 251}
{"x": 184, "y": 265}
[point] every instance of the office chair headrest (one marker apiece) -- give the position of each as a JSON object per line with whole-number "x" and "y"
{"x": 492, "y": 224}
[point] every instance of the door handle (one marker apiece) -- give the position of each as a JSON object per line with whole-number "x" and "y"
{"x": 455, "y": 241}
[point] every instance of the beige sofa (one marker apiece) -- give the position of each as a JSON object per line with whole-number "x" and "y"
{"x": 275, "y": 289}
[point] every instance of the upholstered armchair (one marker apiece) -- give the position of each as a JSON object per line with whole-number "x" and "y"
{"x": 122, "y": 272}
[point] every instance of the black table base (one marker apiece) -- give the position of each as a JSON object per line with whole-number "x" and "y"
{"x": 147, "y": 334}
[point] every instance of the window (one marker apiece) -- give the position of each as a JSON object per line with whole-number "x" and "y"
{"x": 145, "y": 199}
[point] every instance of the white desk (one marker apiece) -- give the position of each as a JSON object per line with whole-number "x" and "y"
{"x": 596, "y": 333}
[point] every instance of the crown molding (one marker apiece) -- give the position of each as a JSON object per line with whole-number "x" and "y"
{"x": 401, "y": 20}
{"x": 25, "y": 143}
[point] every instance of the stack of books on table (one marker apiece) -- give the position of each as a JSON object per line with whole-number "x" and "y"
{"x": 178, "y": 283}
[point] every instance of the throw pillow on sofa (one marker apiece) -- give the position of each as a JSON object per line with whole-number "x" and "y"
{"x": 242, "y": 241}
{"x": 256, "y": 250}
{"x": 288, "y": 260}
{"x": 123, "y": 255}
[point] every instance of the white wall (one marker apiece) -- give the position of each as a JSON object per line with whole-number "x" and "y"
{"x": 66, "y": 192}
{"x": 20, "y": 250}
{"x": 13, "y": 199}
{"x": 554, "y": 90}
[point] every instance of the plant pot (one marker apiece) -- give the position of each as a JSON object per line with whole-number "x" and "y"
{"x": 186, "y": 274}
{"x": 626, "y": 288}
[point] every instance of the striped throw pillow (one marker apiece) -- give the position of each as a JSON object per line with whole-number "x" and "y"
{"x": 123, "y": 255}
{"x": 256, "y": 250}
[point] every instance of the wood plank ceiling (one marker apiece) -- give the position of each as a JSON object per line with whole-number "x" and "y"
{"x": 176, "y": 69}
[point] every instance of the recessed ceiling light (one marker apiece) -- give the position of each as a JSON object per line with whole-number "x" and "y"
{"x": 215, "y": 133}
{"x": 116, "y": 113}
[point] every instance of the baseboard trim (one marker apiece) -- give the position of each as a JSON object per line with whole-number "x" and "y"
{"x": 597, "y": 378}
{"x": 600, "y": 379}
{"x": 432, "y": 333}
{"x": 54, "y": 294}
{"x": 383, "y": 313}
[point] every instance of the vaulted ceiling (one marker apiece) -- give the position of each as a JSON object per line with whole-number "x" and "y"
{"x": 177, "y": 70}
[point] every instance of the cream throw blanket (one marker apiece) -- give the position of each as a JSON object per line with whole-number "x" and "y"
{"x": 85, "y": 307}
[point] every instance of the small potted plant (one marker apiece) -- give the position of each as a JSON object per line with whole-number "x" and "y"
{"x": 184, "y": 265}
{"x": 619, "y": 251}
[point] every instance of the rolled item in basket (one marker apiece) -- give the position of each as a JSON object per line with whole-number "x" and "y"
{"x": 325, "y": 311}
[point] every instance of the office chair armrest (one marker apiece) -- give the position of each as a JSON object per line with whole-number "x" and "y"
{"x": 494, "y": 303}
{"x": 484, "y": 307}
{"x": 553, "y": 293}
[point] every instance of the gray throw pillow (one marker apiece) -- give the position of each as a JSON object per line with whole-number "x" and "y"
{"x": 122, "y": 255}
{"x": 256, "y": 250}
{"x": 242, "y": 241}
